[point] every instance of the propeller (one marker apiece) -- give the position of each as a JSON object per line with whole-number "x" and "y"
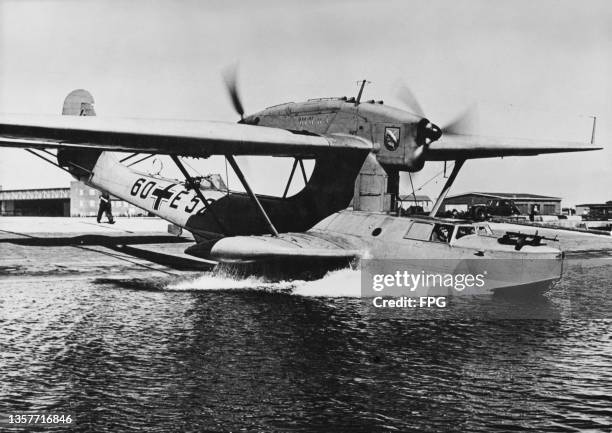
{"x": 231, "y": 83}
{"x": 408, "y": 98}
{"x": 464, "y": 124}
{"x": 427, "y": 132}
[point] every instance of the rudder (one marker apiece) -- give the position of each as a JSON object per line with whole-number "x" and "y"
{"x": 79, "y": 102}
{"x": 79, "y": 162}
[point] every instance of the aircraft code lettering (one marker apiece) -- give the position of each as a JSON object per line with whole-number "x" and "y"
{"x": 143, "y": 189}
{"x": 162, "y": 194}
{"x": 176, "y": 198}
{"x": 136, "y": 186}
{"x": 147, "y": 189}
{"x": 195, "y": 202}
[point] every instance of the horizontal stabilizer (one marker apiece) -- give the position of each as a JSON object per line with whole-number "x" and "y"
{"x": 179, "y": 137}
{"x": 456, "y": 146}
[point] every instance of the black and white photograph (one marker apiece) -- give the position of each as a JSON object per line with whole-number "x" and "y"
{"x": 287, "y": 216}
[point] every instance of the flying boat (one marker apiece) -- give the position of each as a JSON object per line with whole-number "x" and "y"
{"x": 358, "y": 147}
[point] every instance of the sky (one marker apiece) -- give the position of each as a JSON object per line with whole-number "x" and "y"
{"x": 532, "y": 69}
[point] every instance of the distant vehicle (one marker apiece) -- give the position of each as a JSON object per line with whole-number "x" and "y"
{"x": 599, "y": 212}
{"x": 494, "y": 207}
{"x": 413, "y": 210}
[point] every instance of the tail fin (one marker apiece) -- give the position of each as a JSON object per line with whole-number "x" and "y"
{"x": 79, "y": 162}
{"x": 79, "y": 103}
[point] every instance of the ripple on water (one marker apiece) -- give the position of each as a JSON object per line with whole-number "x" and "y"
{"x": 210, "y": 352}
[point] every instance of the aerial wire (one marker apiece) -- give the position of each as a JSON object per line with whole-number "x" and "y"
{"x": 412, "y": 186}
{"x": 432, "y": 178}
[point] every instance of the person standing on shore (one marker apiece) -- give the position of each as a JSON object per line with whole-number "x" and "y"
{"x": 105, "y": 207}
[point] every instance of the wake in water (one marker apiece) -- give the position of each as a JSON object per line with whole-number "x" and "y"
{"x": 343, "y": 283}
{"x": 222, "y": 281}
{"x": 340, "y": 283}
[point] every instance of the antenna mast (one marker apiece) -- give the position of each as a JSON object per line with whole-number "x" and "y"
{"x": 363, "y": 83}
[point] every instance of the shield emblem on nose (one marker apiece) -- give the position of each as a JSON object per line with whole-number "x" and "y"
{"x": 392, "y": 137}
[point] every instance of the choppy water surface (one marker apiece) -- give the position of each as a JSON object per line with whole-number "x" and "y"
{"x": 215, "y": 354}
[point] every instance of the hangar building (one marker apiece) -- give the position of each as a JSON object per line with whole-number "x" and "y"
{"x": 85, "y": 200}
{"x": 525, "y": 202}
{"x": 603, "y": 210}
{"x": 40, "y": 202}
{"x": 78, "y": 200}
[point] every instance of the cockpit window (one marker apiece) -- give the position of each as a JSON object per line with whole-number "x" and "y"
{"x": 464, "y": 231}
{"x": 484, "y": 230}
{"x": 442, "y": 233}
{"x": 419, "y": 231}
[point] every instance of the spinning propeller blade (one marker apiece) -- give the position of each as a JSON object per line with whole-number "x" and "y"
{"x": 408, "y": 98}
{"x": 467, "y": 123}
{"x": 464, "y": 124}
{"x": 231, "y": 82}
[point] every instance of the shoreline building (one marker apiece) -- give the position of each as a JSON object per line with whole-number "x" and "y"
{"x": 603, "y": 210}
{"x": 35, "y": 202}
{"x": 77, "y": 200}
{"x": 419, "y": 200}
{"x": 85, "y": 200}
{"x": 525, "y": 202}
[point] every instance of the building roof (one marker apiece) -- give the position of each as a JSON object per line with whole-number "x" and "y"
{"x": 606, "y": 204}
{"x": 410, "y": 197}
{"x": 34, "y": 194}
{"x": 509, "y": 195}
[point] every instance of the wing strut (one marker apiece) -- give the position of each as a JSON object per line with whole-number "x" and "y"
{"x": 48, "y": 160}
{"x": 191, "y": 183}
{"x": 295, "y": 163}
{"x": 129, "y": 157}
{"x": 140, "y": 160}
{"x": 447, "y": 187}
{"x": 249, "y": 191}
{"x": 54, "y": 163}
{"x": 303, "y": 171}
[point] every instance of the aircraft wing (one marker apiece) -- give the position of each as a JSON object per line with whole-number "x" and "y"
{"x": 178, "y": 137}
{"x": 286, "y": 246}
{"x": 456, "y": 146}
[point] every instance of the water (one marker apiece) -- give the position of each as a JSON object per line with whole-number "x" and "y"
{"x": 205, "y": 353}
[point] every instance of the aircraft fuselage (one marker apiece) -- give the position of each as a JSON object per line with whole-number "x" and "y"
{"x": 326, "y": 192}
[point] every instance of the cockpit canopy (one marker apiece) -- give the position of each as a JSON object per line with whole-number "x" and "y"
{"x": 444, "y": 232}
